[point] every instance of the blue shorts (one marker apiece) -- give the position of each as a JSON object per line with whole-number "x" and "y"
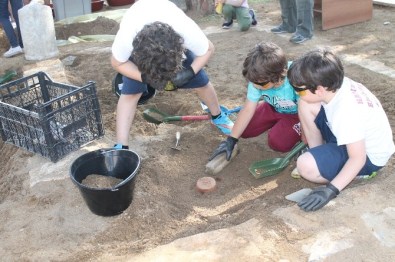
{"x": 330, "y": 157}
{"x": 131, "y": 86}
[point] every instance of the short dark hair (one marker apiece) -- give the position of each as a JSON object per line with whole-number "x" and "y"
{"x": 266, "y": 62}
{"x": 319, "y": 67}
{"x": 158, "y": 52}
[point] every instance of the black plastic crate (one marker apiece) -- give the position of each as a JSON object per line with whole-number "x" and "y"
{"x": 48, "y": 118}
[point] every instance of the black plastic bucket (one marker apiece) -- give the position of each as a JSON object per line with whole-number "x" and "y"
{"x": 120, "y": 164}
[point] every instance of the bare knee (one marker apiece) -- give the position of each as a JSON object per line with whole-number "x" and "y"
{"x": 308, "y": 169}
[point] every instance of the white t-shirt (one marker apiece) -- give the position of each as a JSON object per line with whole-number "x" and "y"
{"x": 145, "y": 12}
{"x": 245, "y": 4}
{"x": 355, "y": 114}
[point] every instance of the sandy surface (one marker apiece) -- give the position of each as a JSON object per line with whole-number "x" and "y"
{"x": 44, "y": 218}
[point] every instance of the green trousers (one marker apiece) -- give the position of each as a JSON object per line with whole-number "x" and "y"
{"x": 241, "y": 14}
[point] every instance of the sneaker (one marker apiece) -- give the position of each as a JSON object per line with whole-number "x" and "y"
{"x": 252, "y": 13}
{"x": 298, "y": 39}
{"x": 227, "y": 25}
{"x": 13, "y": 51}
{"x": 295, "y": 173}
{"x": 279, "y": 30}
{"x": 223, "y": 123}
{"x": 366, "y": 177}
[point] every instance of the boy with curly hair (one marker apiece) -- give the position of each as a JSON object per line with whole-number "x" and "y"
{"x": 265, "y": 68}
{"x": 156, "y": 43}
{"x": 346, "y": 127}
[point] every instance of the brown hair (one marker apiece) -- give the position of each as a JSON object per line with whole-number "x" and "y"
{"x": 266, "y": 62}
{"x": 319, "y": 67}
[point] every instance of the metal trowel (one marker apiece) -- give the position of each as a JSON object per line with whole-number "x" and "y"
{"x": 178, "y": 136}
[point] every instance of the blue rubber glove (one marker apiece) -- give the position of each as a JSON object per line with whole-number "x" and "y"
{"x": 319, "y": 197}
{"x": 226, "y": 146}
{"x": 120, "y": 146}
{"x": 183, "y": 76}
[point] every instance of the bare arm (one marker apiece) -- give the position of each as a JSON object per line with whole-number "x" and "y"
{"x": 200, "y": 61}
{"x": 356, "y": 159}
{"x": 127, "y": 68}
{"x": 243, "y": 118}
{"x": 307, "y": 114}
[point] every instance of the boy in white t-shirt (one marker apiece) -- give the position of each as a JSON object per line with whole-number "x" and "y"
{"x": 156, "y": 43}
{"x": 346, "y": 127}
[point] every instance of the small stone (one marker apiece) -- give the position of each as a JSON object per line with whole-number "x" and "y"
{"x": 68, "y": 61}
{"x": 205, "y": 184}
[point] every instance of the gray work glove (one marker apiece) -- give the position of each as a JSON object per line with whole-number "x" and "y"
{"x": 183, "y": 76}
{"x": 319, "y": 197}
{"x": 225, "y": 146}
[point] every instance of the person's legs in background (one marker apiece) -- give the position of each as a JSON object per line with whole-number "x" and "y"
{"x": 15, "y": 6}
{"x": 6, "y": 23}
{"x": 10, "y": 12}
{"x": 288, "y": 16}
{"x": 228, "y": 11}
{"x": 253, "y": 17}
{"x": 244, "y": 18}
{"x": 305, "y": 21}
{"x": 8, "y": 28}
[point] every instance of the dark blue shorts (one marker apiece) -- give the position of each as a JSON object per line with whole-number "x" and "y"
{"x": 131, "y": 86}
{"x": 330, "y": 157}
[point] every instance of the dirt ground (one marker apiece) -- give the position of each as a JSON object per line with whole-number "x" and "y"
{"x": 43, "y": 216}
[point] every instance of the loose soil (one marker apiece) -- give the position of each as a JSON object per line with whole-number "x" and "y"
{"x": 46, "y": 219}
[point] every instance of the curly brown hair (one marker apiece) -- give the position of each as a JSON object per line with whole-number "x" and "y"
{"x": 158, "y": 52}
{"x": 266, "y": 62}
